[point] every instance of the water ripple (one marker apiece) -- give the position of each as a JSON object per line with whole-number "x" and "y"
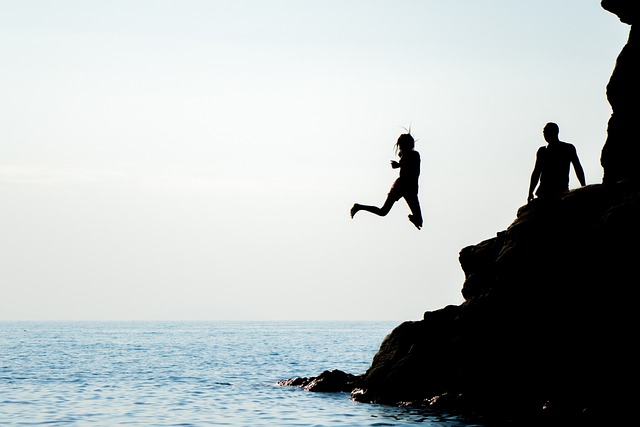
{"x": 189, "y": 374}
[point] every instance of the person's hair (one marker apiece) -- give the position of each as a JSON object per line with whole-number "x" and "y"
{"x": 405, "y": 143}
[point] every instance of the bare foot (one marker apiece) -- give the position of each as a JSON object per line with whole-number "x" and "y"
{"x": 355, "y": 209}
{"x": 415, "y": 222}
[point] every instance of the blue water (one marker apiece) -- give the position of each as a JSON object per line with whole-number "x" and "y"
{"x": 189, "y": 374}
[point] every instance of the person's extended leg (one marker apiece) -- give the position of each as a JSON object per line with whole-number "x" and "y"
{"x": 374, "y": 209}
{"x": 416, "y": 212}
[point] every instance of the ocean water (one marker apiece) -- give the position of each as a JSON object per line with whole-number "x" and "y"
{"x": 189, "y": 374}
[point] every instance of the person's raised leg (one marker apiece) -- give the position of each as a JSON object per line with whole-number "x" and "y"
{"x": 416, "y": 212}
{"x": 355, "y": 208}
{"x": 384, "y": 210}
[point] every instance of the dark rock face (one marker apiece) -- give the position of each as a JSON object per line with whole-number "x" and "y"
{"x": 627, "y": 10}
{"x": 548, "y": 327}
{"x": 545, "y": 327}
{"x": 329, "y": 381}
{"x": 621, "y": 152}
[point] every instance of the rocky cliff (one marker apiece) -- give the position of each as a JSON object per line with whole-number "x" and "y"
{"x": 622, "y": 148}
{"x": 547, "y": 328}
{"x": 548, "y": 325}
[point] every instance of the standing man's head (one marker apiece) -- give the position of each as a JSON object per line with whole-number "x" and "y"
{"x": 550, "y": 132}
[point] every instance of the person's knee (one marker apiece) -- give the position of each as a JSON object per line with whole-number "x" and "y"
{"x": 385, "y": 209}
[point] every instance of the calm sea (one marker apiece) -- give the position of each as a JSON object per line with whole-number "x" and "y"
{"x": 189, "y": 374}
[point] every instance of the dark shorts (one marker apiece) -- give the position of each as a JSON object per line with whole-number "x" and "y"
{"x": 399, "y": 190}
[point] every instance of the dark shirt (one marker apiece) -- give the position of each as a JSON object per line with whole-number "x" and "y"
{"x": 410, "y": 168}
{"x": 406, "y": 184}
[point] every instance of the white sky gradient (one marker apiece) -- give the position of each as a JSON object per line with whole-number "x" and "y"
{"x": 197, "y": 159}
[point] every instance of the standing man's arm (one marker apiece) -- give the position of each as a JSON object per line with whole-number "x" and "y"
{"x": 535, "y": 177}
{"x": 577, "y": 167}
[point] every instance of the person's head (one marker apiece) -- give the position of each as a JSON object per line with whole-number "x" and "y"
{"x": 550, "y": 132}
{"x": 405, "y": 143}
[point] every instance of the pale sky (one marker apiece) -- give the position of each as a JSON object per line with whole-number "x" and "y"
{"x": 197, "y": 159}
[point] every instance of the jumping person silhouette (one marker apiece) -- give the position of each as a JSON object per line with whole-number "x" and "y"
{"x": 406, "y": 186}
{"x": 552, "y": 166}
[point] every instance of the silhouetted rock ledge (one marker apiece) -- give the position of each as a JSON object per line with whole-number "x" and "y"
{"x": 328, "y": 381}
{"x": 547, "y": 328}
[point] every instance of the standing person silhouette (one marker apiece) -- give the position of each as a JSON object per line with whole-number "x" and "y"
{"x": 553, "y": 162}
{"x": 406, "y": 186}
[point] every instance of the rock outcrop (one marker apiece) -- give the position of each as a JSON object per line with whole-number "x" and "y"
{"x": 621, "y": 152}
{"x": 547, "y": 328}
{"x": 548, "y": 324}
{"x": 334, "y": 381}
